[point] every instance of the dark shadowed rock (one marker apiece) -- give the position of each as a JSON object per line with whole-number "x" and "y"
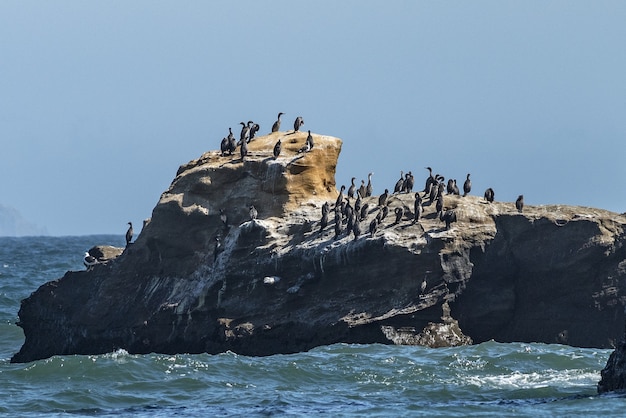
{"x": 279, "y": 285}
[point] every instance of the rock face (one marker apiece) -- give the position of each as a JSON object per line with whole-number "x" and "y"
{"x": 279, "y": 284}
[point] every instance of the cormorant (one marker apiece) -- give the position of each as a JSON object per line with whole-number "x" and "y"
{"x": 309, "y": 140}
{"x": 298, "y": 123}
{"x": 450, "y": 187}
{"x": 129, "y": 233}
{"x": 356, "y": 230}
{"x": 277, "y": 148}
{"x": 399, "y": 213}
{"x": 324, "y": 220}
{"x": 357, "y": 203}
{"x": 489, "y": 195}
{"x": 352, "y": 188}
{"x": 364, "y": 209}
{"x": 276, "y": 125}
{"x": 455, "y": 188}
{"x": 243, "y": 149}
{"x": 430, "y": 180}
{"x": 224, "y": 146}
{"x": 467, "y": 186}
{"x": 337, "y": 226}
{"x": 89, "y": 261}
{"x": 362, "y": 188}
{"x": 417, "y": 208}
{"x": 439, "y": 204}
{"x": 448, "y": 217}
{"x": 253, "y": 212}
{"x": 245, "y": 131}
{"x": 254, "y": 128}
{"x": 232, "y": 143}
{"x": 382, "y": 199}
{"x": 350, "y": 222}
{"x": 385, "y": 211}
{"x": 519, "y": 203}
{"x": 340, "y": 197}
{"x": 373, "y": 226}
{"x": 368, "y": 189}
{"x": 409, "y": 181}
{"x": 325, "y": 208}
{"x": 399, "y": 184}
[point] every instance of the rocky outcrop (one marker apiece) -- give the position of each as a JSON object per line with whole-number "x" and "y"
{"x": 279, "y": 284}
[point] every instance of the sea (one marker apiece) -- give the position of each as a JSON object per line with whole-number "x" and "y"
{"x": 343, "y": 380}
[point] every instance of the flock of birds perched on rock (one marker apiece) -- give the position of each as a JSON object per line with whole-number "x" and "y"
{"x": 346, "y": 213}
{"x": 351, "y": 215}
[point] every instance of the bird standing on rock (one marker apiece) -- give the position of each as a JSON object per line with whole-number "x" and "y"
{"x": 489, "y": 195}
{"x": 467, "y": 186}
{"x": 368, "y": 188}
{"x": 129, "y": 234}
{"x": 519, "y": 203}
{"x": 276, "y": 125}
{"x": 298, "y": 123}
{"x": 277, "y": 149}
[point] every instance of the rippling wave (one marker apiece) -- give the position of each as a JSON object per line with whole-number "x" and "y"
{"x": 489, "y": 379}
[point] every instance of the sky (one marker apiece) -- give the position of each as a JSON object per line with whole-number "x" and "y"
{"x": 102, "y": 101}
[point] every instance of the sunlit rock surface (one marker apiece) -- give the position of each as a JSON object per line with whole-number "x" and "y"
{"x": 279, "y": 284}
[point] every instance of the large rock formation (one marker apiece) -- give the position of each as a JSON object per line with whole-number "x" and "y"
{"x": 278, "y": 284}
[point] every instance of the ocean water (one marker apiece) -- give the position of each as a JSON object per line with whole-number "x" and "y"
{"x": 489, "y": 379}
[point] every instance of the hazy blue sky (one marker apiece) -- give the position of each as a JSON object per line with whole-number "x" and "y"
{"x": 101, "y": 101}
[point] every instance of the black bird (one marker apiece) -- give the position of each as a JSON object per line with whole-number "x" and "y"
{"x": 224, "y": 146}
{"x": 357, "y": 203}
{"x": 519, "y": 203}
{"x": 382, "y": 199}
{"x": 129, "y": 233}
{"x": 384, "y": 212}
{"x": 254, "y": 128}
{"x": 277, "y": 149}
{"x": 450, "y": 187}
{"x": 325, "y": 208}
{"x": 448, "y": 217}
{"x": 245, "y": 131}
{"x": 337, "y": 226}
{"x": 243, "y": 149}
{"x": 399, "y": 184}
{"x": 324, "y": 220}
{"x": 368, "y": 188}
{"x": 489, "y": 195}
{"x": 467, "y": 186}
{"x": 430, "y": 180}
{"x": 276, "y": 125}
{"x": 352, "y": 188}
{"x": 399, "y": 213}
{"x": 340, "y": 197}
{"x": 364, "y": 211}
{"x": 356, "y": 230}
{"x": 417, "y": 208}
{"x": 439, "y": 204}
{"x": 253, "y": 212}
{"x": 362, "y": 189}
{"x": 350, "y": 222}
{"x": 89, "y": 261}
{"x": 409, "y": 181}
{"x": 373, "y": 226}
{"x": 309, "y": 141}
{"x": 455, "y": 188}
{"x": 298, "y": 123}
{"x": 232, "y": 143}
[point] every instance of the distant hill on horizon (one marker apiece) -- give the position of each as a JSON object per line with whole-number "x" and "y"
{"x": 13, "y": 224}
